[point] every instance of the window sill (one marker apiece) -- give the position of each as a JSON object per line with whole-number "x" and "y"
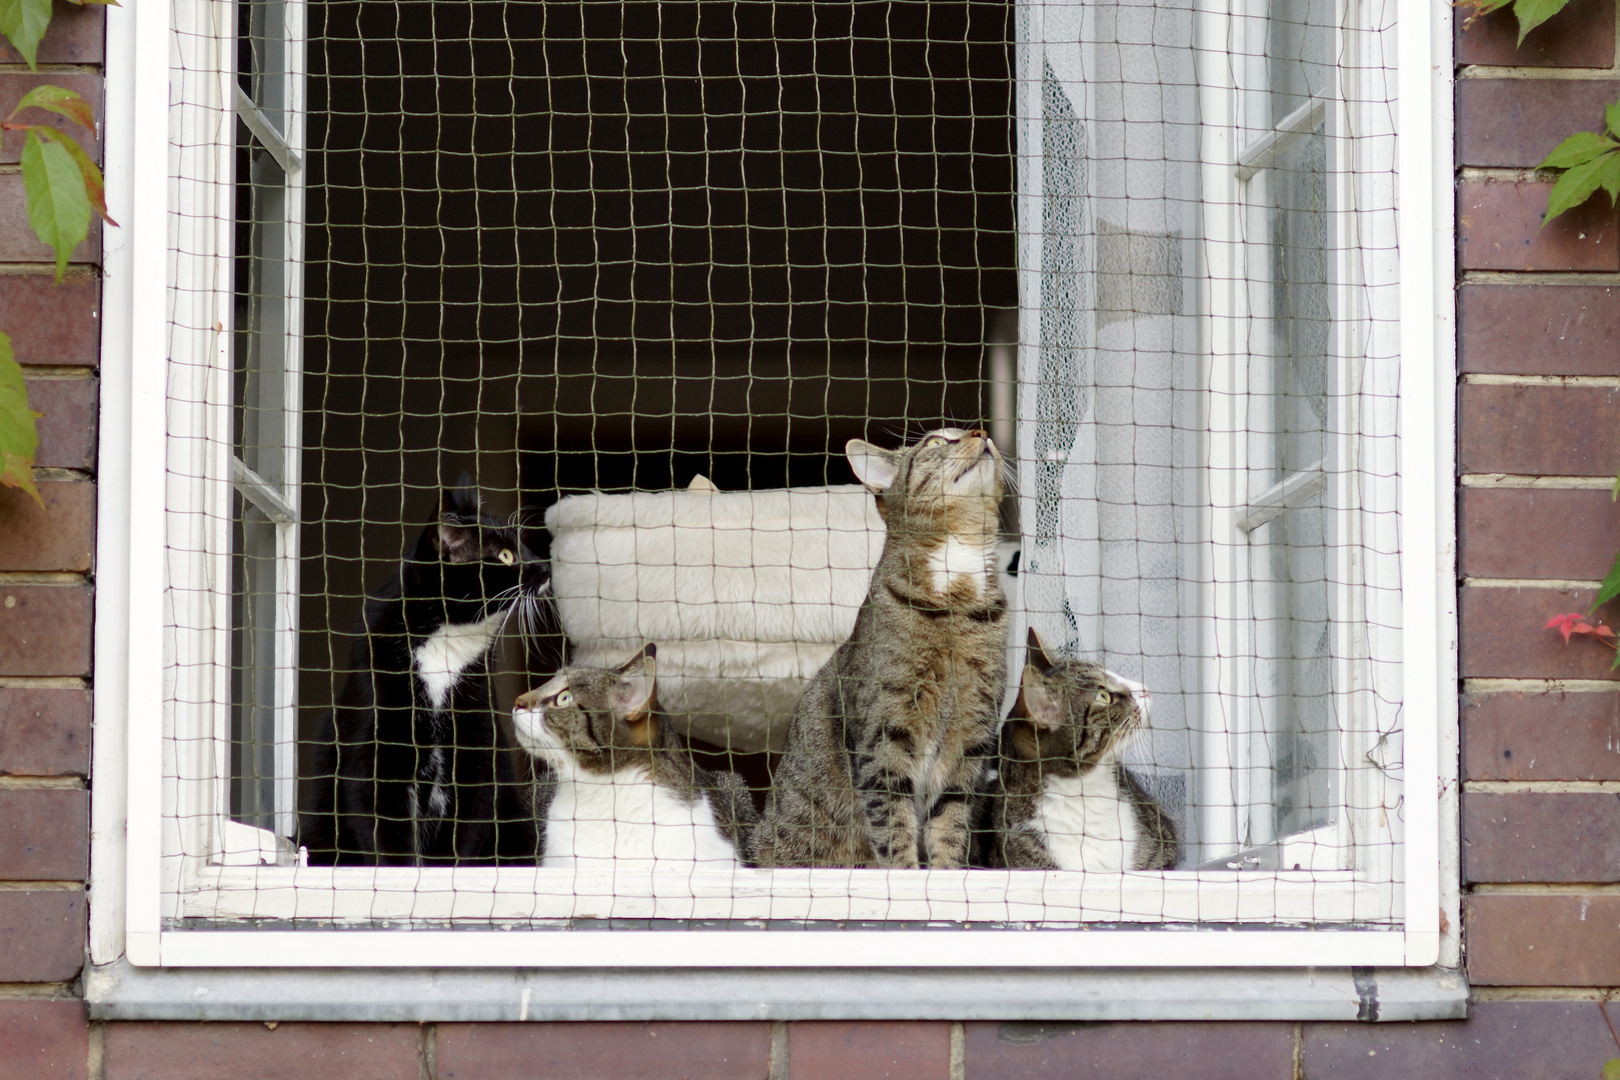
{"x": 121, "y": 991}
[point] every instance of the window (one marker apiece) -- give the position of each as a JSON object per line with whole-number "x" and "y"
{"x": 569, "y": 248}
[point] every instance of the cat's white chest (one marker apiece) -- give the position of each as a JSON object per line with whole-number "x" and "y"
{"x": 451, "y": 650}
{"x": 958, "y": 557}
{"x": 1086, "y": 823}
{"x": 627, "y": 822}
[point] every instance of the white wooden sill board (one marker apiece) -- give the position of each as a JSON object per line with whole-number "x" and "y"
{"x": 120, "y": 991}
{"x": 522, "y": 894}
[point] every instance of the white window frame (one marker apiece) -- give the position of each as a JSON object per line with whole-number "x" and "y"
{"x": 1240, "y": 145}
{"x": 157, "y": 794}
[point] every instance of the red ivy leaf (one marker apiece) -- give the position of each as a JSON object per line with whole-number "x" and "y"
{"x": 1606, "y": 633}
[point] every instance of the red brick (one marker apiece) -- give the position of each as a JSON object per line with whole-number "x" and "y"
{"x": 1524, "y": 533}
{"x": 18, "y": 242}
{"x": 1541, "y": 736}
{"x": 603, "y": 1051}
{"x": 1517, "y": 122}
{"x": 1581, "y": 35}
{"x": 44, "y": 732}
{"x": 1209, "y": 1051}
{"x": 1544, "y": 939}
{"x": 77, "y": 35}
{"x": 1500, "y": 1040}
{"x": 1538, "y": 430}
{"x": 42, "y": 934}
{"x": 1539, "y": 329}
{"x": 1541, "y": 836}
{"x": 892, "y": 1050}
{"x": 67, "y": 431}
{"x": 14, "y": 84}
{"x": 45, "y": 629}
{"x": 44, "y": 1040}
{"x": 1499, "y": 228}
{"x": 251, "y": 1051}
{"x": 1504, "y": 635}
{"x": 50, "y": 323}
{"x": 44, "y": 835}
{"x": 59, "y": 536}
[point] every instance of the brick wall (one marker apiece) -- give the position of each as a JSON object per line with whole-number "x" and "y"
{"x": 1539, "y": 383}
{"x": 47, "y": 578}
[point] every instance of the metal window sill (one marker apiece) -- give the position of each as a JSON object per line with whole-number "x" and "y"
{"x": 121, "y": 991}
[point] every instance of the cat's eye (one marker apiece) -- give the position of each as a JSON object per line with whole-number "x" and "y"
{"x": 1104, "y": 698}
{"x": 564, "y": 699}
{"x": 506, "y": 557}
{"x": 935, "y": 440}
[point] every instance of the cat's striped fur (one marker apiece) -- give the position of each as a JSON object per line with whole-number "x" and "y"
{"x": 888, "y": 744}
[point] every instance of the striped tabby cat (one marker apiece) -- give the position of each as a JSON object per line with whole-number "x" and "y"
{"x": 886, "y": 749}
{"x": 628, "y": 793}
{"x": 1062, "y": 800}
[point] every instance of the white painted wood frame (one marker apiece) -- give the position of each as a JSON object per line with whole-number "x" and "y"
{"x": 157, "y": 826}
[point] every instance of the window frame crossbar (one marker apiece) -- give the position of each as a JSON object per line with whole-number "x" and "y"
{"x": 1279, "y": 498}
{"x": 1264, "y": 151}
{"x": 266, "y": 132}
{"x": 261, "y": 493}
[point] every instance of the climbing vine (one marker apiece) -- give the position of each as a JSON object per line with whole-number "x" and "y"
{"x": 64, "y": 191}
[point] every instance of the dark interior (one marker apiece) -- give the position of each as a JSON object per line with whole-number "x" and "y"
{"x": 569, "y": 245}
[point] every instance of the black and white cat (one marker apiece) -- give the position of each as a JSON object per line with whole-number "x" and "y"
{"x": 629, "y": 794}
{"x": 410, "y": 766}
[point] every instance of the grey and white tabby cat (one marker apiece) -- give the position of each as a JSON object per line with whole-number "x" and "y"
{"x": 628, "y": 794}
{"x": 887, "y": 747}
{"x": 1062, "y": 800}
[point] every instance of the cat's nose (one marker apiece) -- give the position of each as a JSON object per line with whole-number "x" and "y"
{"x": 979, "y": 433}
{"x": 527, "y": 702}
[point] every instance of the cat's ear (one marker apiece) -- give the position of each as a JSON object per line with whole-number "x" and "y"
{"x": 456, "y": 537}
{"x": 637, "y": 694}
{"x": 454, "y": 540}
{"x": 635, "y": 698}
{"x": 874, "y": 466}
{"x": 1036, "y": 701}
{"x": 1036, "y": 650}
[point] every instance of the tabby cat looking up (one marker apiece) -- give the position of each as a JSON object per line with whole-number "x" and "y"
{"x": 628, "y": 794}
{"x": 1062, "y": 800}
{"x": 409, "y": 766}
{"x": 887, "y": 746}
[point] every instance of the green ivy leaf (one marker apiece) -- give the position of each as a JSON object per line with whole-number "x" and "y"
{"x": 1611, "y": 1068}
{"x": 1609, "y": 177}
{"x": 1578, "y": 149}
{"x": 59, "y": 209}
{"x": 1611, "y": 116}
{"x": 94, "y": 187}
{"x": 58, "y": 100}
{"x": 1574, "y": 188}
{"x": 19, "y": 437}
{"x": 1532, "y": 13}
{"x": 1610, "y": 587}
{"x": 24, "y": 22}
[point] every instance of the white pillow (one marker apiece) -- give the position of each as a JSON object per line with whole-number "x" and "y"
{"x": 746, "y": 594}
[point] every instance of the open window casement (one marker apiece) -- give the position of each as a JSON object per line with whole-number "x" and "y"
{"x": 267, "y": 414}
{"x": 1211, "y": 360}
{"x": 1203, "y": 393}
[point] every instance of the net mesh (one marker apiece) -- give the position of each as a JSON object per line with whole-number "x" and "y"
{"x": 549, "y": 327}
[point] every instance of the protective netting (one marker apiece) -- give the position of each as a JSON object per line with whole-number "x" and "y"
{"x": 549, "y": 329}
